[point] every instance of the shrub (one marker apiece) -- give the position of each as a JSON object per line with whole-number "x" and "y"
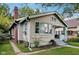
{"x": 24, "y": 43}
{"x": 36, "y": 43}
{"x": 75, "y": 39}
{"x": 4, "y": 37}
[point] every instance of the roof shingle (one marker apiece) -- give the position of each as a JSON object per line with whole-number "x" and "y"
{"x": 72, "y": 22}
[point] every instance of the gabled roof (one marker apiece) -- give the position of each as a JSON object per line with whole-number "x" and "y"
{"x": 72, "y": 22}
{"x": 50, "y": 13}
{"x": 14, "y": 23}
{"x": 42, "y": 14}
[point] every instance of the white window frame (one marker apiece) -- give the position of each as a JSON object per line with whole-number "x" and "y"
{"x": 44, "y": 32}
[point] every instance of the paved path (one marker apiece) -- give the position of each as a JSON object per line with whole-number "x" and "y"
{"x": 62, "y": 43}
{"x": 16, "y": 50}
{"x": 71, "y": 46}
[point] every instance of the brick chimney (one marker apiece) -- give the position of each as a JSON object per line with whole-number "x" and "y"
{"x": 15, "y": 29}
{"x": 15, "y": 13}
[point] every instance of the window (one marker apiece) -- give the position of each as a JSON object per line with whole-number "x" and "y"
{"x": 50, "y": 28}
{"x": 53, "y": 18}
{"x": 70, "y": 32}
{"x": 37, "y": 27}
{"x": 25, "y": 28}
{"x": 62, "y": 32}
{"x": 43, "y": 28}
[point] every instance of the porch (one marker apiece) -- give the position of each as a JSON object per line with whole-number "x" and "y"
{"x": 60, "y": 32}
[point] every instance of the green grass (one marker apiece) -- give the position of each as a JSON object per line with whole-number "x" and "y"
{"x": 74, "y": 43}
{"x": 22, "y": 47}
{"x": 60, "y": 51}
{"x": 6, "y": 49}
{"x": 25, "y": 49}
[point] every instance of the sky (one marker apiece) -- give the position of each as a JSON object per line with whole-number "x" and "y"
{"x": 31, "y": 5}
{"x": 34, "y": 6}
{"x": 19, "y": 5}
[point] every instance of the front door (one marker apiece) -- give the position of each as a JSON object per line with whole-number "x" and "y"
{"x": 57, "y": 34}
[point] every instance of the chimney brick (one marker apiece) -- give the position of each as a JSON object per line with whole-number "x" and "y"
{"x": 16, "y": 13}
{"x": 15, "y": 29}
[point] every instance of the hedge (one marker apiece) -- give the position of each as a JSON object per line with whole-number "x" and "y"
{"x": 75, "y": 39}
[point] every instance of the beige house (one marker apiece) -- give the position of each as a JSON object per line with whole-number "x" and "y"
{"x": 43, "y": 28}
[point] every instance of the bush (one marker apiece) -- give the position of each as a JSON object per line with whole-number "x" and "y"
{"x": 75, "y": 39}
{"x": 24, "y": 43}
{"x": 4, "y": 37}
{"x": 36, "y": 43}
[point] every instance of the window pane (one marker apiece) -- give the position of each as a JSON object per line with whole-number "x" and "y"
{"x": 46, "y": 28}
{"x": 37, "y": 27}
{"x": 43, "y": 28}
{"x": 50, "y": 28}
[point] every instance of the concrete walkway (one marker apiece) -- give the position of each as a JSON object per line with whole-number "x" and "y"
{"x": 16, "y": 50}
{"x": 71, "y": 46}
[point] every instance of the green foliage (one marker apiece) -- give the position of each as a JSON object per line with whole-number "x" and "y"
{"x": 4, "y": 23}
{"x": 6, "y": 49}
{"x": 36, "y": 43}
{"x": 27, "y": 11}
{"x": 4, "y": 9}
{"x": 5, "y": 17}
{"x": 60, "y": 51}
{"x": 74, "y": 43}
{"x": 75, "y": 39}
{"x": 22, "y": 47}
{"x": 68, "y": 8}
{"x": 4, "y": 37}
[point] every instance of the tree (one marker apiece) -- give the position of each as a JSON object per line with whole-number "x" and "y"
{"x": 4, "y": 9}
{"x": 69, "y": 8}
{"x": 5, "y": 17}
{"x": 27, "y": 11}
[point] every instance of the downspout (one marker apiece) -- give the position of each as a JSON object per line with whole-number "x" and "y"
{"x": 10, "y": 34}
{"x": 66, "y": 33}
{"x": 29, "y": 47}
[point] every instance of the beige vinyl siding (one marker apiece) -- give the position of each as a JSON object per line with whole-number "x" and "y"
{"x": 44, "y": 38}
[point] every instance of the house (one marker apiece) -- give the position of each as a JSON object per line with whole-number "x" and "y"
{"x": 42, "y": 27}
{"x": 73, "y": 27}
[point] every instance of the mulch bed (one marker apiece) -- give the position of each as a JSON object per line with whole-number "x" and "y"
{"x": 43, "y": 47}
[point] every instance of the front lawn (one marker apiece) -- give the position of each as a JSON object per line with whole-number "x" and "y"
{"x": 60, "y": 51}
{"x": 6, "y": 49}
{"x": 74, "y": 43}
{"x": 22, "y": 47}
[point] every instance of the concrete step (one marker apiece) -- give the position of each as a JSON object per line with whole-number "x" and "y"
{"x": 60, "y": 42}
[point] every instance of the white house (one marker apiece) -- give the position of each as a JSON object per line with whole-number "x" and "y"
{"x": 42, "y": 27}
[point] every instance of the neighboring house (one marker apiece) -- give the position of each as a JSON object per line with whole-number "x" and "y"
{"x": 43, "y": 28}
{"x": 73, "y": 27}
